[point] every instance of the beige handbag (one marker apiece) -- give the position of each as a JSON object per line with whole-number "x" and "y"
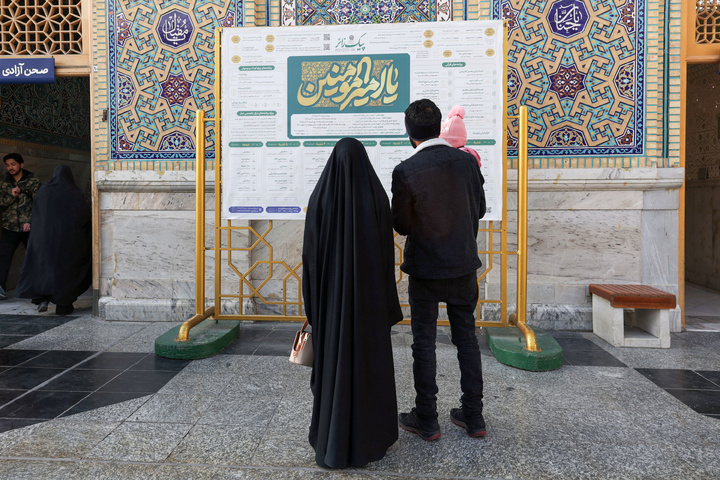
{"x": 302, "y": 348}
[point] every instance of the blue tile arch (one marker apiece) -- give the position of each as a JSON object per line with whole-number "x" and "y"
{"x": 580, "y": 68}
{"x": 160, "y": 71}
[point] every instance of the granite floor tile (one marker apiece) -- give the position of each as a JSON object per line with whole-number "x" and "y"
{"x": 638, "y": 461}
{"x": 60, "y": 439}
{"x": 140, "y": 442}
{"x": 29, "y": 469}
{"x": 175, "y": 408}
{"x": 107, "y": 407}
{"x": 142, "y": 341}
{"x": 149, "y": 471}
{"x": 220, "y": 363}
{"x": 590, "y": 358}
{"x": 454, "y": 455}
{"x": 559, "y": 459}
{"x": 247, "y": 411}
{"x": 218, "y": 444}
{"x": 284, "y": 449}
{"x": 199, "y": 383}
{"x": 155, "y": 363}
{"x": 9, "y": 424}
{"x": 83, "y": 333}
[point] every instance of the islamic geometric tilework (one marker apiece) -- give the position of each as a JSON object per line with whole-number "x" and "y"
{"x": 578, "y": 65}
{"x": 161, "y": 61}
{"x": 341, "y": 12}
{"x": 55, "y": 114}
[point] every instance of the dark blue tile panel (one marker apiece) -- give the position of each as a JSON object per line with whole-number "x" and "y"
{"x": 11, "y": 358}
{"x": 706, "y": 402}
{"x": 714, "y": 377}
{"x": 102, "y": 399}
{"x": 684, "y": 379}
{"x": 25, "y": 378}
{"x": 138, "y": 381}
{"x": 81, "y": 380}
{"x": 58, "y": 359}
{"x": 7, "y": 424}
{"x": 112, "y": 361}
{"x": 42, "y": 404}
{"x": 153, "y": 362}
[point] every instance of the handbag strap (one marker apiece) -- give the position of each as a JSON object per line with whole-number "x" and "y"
{"x": 305, "y": 325}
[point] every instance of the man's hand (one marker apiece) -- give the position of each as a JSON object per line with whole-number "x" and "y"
{"x": 16, "y": 191}
{"x": 26, "y": 227}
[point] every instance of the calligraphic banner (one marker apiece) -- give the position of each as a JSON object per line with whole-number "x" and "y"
{"x": 27, "y": 70}
{"x": 288, "y": 94}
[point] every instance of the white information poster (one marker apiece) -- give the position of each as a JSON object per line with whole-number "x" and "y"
{"x": 289, "y": 93}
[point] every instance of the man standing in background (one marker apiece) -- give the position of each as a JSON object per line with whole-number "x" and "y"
{"x": 16, "y": 195}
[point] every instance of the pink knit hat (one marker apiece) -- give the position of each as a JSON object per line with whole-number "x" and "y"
{"x": 453, "y": 130}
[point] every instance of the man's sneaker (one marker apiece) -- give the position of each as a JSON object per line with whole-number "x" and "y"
{"x": 474, "y": 427}
{"x": 428, "y": 430}
{"x": 2, "y": 293}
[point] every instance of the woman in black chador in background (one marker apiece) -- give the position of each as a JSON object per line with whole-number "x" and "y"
{"x": 351, "y": 302}
{"x": 58, "y": 261}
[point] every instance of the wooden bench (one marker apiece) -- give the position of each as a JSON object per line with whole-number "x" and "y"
{"x": 648, "y": 327}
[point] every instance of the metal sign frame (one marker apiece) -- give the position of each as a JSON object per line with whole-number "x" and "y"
{"x": 248, "y": 290}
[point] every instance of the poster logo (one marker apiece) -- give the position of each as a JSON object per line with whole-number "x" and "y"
{"x": 348, "y": 84}
{"x": 351, "y": 42}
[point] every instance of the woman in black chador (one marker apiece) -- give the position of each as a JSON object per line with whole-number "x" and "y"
{"x": 351, "y": 302}
{"x": 58, "y": 261}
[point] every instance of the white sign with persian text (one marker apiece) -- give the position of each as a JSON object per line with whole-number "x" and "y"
{"x": 288, "y": 94}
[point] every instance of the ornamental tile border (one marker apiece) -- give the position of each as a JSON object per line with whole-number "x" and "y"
{"x": 161, "y": 69}
{"x": 581, "y": 72}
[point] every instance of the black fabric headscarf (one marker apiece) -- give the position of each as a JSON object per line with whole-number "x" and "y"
{"x": 351, "y": 302}
{"x": 58, "y": 261}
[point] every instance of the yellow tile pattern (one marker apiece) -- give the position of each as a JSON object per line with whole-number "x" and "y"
{"x": 477, "y": 9}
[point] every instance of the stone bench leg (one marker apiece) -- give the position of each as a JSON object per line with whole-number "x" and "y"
{"x": 608, "y": 322}
{"x": 654, "y": 321}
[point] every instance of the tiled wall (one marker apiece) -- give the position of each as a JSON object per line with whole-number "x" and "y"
{"x": 596, "y": 98}
{"x": 55, "y": 114}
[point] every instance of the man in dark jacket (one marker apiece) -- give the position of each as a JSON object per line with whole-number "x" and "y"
{"x": 437, "y": 201}
{"x": 16, "y": 195}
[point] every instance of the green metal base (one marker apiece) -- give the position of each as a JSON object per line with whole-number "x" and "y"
{"x": 508, "y": 345}
{"x": 206, "y": 339}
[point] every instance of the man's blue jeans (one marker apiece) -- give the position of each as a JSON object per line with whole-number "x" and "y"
{"x": 460, "y": 294}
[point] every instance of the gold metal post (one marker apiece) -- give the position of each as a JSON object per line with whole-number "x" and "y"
{"x": 200, "y": 215}
{"x": 200, "y": 312}
{"x": 218, "y": 171}
{"x": 522, "y": 232}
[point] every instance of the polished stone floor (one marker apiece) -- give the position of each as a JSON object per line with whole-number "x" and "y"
{"x": 84, "y": 398}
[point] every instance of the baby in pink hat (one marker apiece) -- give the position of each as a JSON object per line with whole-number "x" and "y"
{"x": 453, "y": 131}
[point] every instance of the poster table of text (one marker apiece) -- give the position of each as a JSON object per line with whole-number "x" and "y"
{"x": 289, "y": 93}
